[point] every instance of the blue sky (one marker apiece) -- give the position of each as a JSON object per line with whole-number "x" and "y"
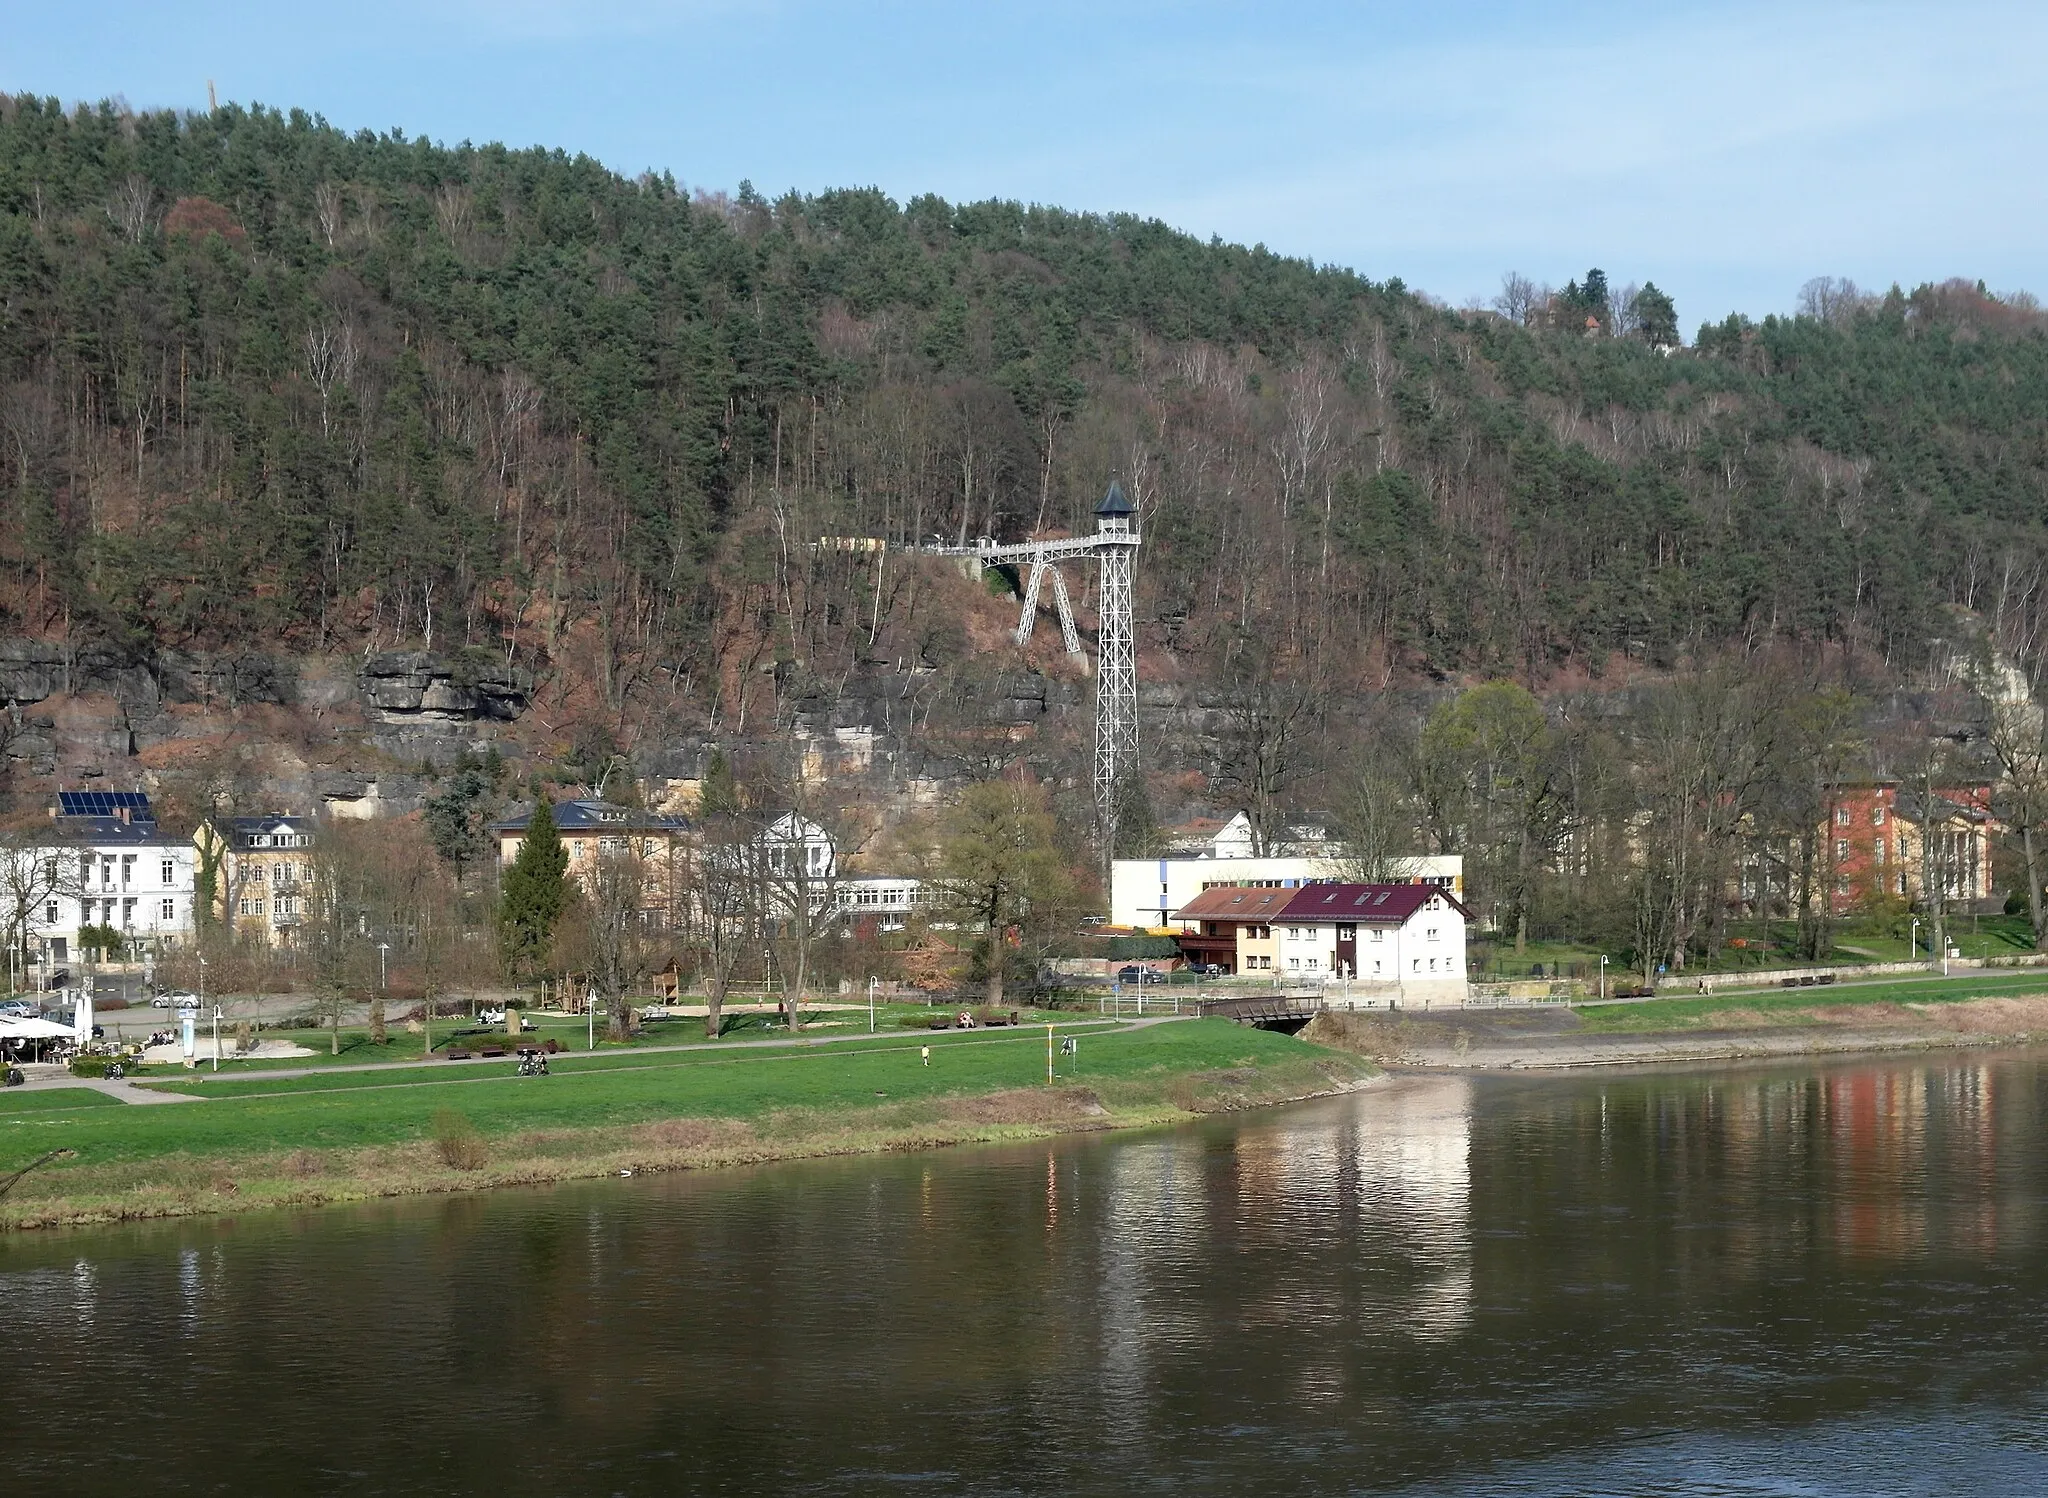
{"x": 1726, "y": 151}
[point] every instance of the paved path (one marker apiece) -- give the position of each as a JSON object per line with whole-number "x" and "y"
{"x": 569, "y": 1058}
{"x": 124, "y": 1090}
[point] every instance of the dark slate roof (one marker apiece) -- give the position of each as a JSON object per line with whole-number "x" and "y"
{"x": 1114, "y": 503}
{"x": 1366, "y": 904}
{"x": 241, "y": 829}
{"x": 112, "y": 831}
{"x": 588, "y": 816}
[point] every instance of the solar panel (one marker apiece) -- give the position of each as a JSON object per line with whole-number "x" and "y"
{"x": 104, "y": 804}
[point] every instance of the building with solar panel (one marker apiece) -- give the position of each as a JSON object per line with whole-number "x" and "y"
{"x": 120, "y": 872}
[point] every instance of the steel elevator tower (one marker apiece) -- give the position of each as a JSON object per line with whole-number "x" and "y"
{"x": 1114, "y": 546}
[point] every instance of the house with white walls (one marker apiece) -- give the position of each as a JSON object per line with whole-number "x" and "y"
{"x": 1379, "y": 943}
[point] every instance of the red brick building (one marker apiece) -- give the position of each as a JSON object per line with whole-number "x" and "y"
{"x": 1881, "y": 840}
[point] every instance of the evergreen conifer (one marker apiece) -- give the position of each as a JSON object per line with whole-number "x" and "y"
{"x": 531, "y": 898}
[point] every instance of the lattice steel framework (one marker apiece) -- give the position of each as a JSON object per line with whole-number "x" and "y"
{"x": 1116, "y": 674}
{"x": 1114, "y": 546}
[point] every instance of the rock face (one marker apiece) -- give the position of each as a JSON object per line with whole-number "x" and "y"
{"x": 31, "y": 670}
{"x": 409, "y": 686}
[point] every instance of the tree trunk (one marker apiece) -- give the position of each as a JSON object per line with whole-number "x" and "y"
{"x": 2032, "y": 857}
{"x": 995, "y": 971}
{"x": 714, "y": 1005}
{"x": 619, "y": 1007}
{"x": 377, "y": 1033}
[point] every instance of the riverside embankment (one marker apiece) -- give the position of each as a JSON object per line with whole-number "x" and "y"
{"x": 257, "y": 1142}
{"x": 1974, "y": 1011}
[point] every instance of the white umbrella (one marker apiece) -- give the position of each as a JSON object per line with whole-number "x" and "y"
{"x": 33, "y": 1029}
{"x": 82, "y": 1014}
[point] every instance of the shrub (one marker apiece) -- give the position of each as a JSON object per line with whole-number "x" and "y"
{"x": 457, "y": 1141}
{"x": 88, "y": 1066}
{"x": 1125, "y": 948}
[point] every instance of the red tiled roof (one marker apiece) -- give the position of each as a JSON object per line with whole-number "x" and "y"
{"x": 1366, "y": 904}
{"x": 1235, "y": 902}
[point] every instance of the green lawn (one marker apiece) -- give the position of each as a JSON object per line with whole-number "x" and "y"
{"x": 1789, "y": 1004}
{"x": 55, "y": 1100}
{"x": 573, "y": 1031}
{"x": 288, "y": 1114}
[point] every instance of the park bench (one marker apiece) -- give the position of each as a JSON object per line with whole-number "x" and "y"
{"x": 456, "y": 1053}
{"x": 489, "y": 1051}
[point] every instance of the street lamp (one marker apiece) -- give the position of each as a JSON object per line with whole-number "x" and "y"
{"x": 871, "y": 1006}
{"x": 1603, "y": 975}
{"x": 216, "y": 1037}
{"x": 382, "y": 948}
{"x": 1913, "y": 940}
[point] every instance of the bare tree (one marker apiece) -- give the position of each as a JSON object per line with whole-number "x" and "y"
{"x": 35, "y": 871}
{"x": 1265, "y": 742}
{"x": 2018, "y": 740}
{"x": 1519, "y": 296}
{"x": 332, "y": 355}
{"x": 1830, "y": 299}
{"x": 131, "y": 207}
{"x": 328, "y": 207}
{"x": 620, "y": 936}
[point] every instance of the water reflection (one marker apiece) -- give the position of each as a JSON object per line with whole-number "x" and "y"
{"x": 1471, "y": 1285}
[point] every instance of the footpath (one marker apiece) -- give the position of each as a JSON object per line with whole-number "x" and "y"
{"x": 146, "y": 1089}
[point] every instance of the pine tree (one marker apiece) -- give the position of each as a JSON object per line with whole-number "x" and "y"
{"x": 720, "y": 793}
{"x": 531, "y": 898}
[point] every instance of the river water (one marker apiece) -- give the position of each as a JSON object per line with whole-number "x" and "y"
{"x": 1790, "y": 1281}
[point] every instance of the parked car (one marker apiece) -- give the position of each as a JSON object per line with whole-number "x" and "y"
{"x": 176, "y": 999}
{"x": 1136, "y": 973}
{"x": 20, "y": 1008}
{"x": 1088, "y": 921}
{"x": 1208, "y": 969}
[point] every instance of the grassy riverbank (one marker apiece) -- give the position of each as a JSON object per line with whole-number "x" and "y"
{"x": 1833, "y": 1003}
{"x": 254, "y": 1142}
{"x": 1967, "y": 1011}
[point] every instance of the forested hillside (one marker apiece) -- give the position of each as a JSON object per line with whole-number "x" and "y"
{"x": 266, "y": 381}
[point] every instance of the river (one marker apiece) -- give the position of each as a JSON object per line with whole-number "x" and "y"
{"x": 1805, "y": 1281}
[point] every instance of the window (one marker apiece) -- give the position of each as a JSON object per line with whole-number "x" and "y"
{"x": 106, "y": 873}
{"x": 1880, "y": 848}
{"x": 1430, "y": 934}
{"x": 127, "y": 869}
{"x": 1877, "y": 816}
{"x": 1841, "y": 884}
{"x": 1415, "y": 964}
{"x": 285, "y": 905}
{"x": 170, "y": 910}
{"x": 1294, "y": 963}
{"x": 251, "y": 907}
{"x": 1314, "y": 963}
{"x": 50, "y": 912}
{"x": 1379, "y": 935}
{"x": 1902, "y": 881}
{"x": 1375, "y": 967}
{"x": 1841, "y": 847}
{"x": 1841, "y": 816}
{"x": 1432, "y": 964}
{"x": 170, "y": 872}
{"x": 277, "y": 873}
{"x": 127, "y": 913}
